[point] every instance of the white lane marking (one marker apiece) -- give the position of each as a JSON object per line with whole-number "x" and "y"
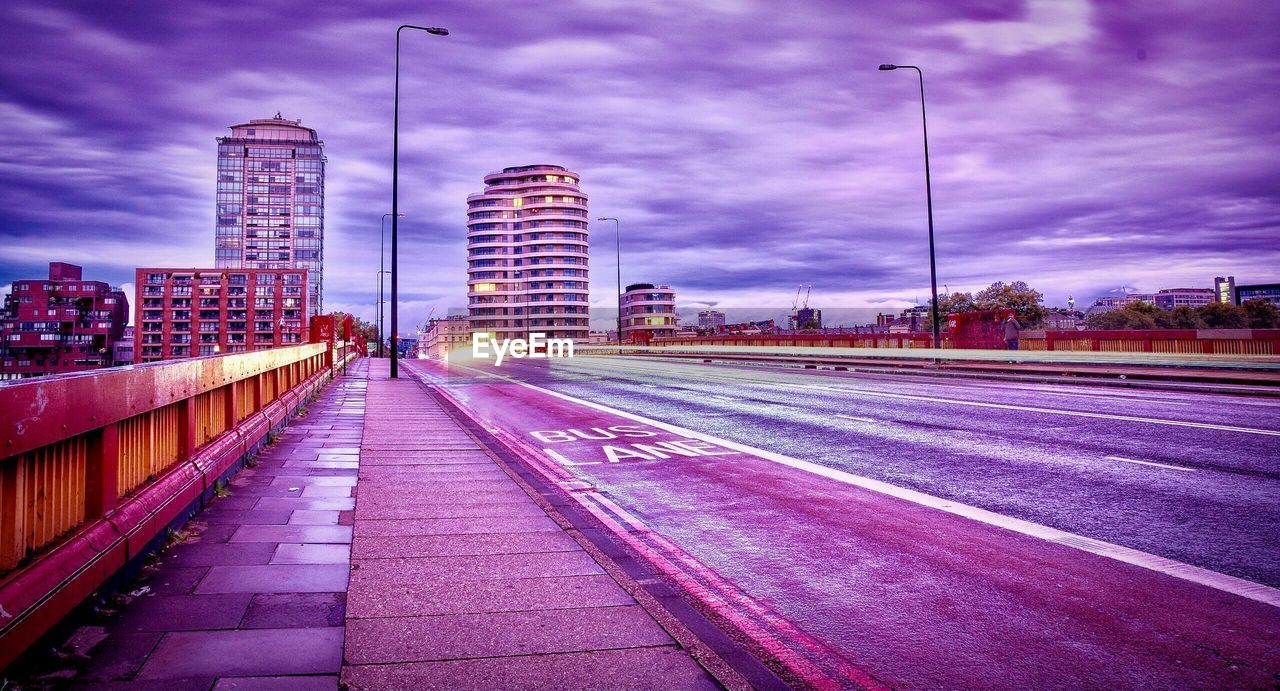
{"x": 858, "y": 419}
{"x": 1037, "y": 409}
{"x": 650, "y": 386}
{"x": 725, "y": 398}
{"x": 1151, "y": 463}
{"x": 1187, "y": 572}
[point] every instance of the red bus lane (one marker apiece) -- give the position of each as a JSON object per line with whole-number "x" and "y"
{"x": 846, "y": 585}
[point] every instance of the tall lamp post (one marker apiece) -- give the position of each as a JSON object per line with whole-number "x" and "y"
{"x": 381, "y": 278}
{"x": 395, "y": 195}
{"x": 382, "y": 253}
{"x": 617, "y": 234}
{"x": 928, "y": 195}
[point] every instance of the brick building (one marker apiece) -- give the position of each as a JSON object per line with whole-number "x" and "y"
{"x": 60, "y": 324}
{"x": 193, "y": 312}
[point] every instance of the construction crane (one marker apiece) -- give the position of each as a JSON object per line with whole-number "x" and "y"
{"x": 796, "y": 302}
{"x": 806, "y": 296}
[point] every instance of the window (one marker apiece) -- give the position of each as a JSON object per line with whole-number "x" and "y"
{"x": 485, "y": 287}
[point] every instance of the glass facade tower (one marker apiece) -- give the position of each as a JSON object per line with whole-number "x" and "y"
{"x": 270, "y": 206}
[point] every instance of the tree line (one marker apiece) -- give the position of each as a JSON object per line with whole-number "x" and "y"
{"x": 1028, "y": 304}
{"x": 1252, "y": 314}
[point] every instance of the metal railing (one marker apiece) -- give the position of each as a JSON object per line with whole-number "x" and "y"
{"x": 61, "y": 436}
{"x": 95, "y": 465}
{"x": 1186, "y": 341}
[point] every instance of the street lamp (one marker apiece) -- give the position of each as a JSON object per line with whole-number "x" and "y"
{"x": 928, "y": 195}
{"x": 382, "y": 253}
{"x": 395, "y": 194}
{"x": 617, "y": 234}
{"x": 381, "y": 278}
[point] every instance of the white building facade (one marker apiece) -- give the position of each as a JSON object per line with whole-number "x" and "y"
{"x": 527, "y": 254}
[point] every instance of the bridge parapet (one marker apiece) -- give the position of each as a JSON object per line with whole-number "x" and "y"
{"x": 94, "y": 467}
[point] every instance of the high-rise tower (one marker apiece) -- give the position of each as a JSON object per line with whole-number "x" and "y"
{"x": 270, "y": 212}
{"x": 527, "y": 254}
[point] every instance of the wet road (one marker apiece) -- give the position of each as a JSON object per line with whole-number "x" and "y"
{"x": 923, "y": 598}
{"x": 1189, "y": 491}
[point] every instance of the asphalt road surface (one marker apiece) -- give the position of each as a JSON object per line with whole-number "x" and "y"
{"x": 921, "y": 597}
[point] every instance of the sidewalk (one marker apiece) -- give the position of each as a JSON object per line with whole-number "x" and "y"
{"x": 253, "y": 594}
{"x": 460, "y": 580}
{"x": 456, "y": 577}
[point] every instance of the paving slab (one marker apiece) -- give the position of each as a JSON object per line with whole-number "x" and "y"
{"x": 294, "y": 610}
{"x": 251, "y": 652}
{"x": 455, "y": 526}
{"x": 639, "y": 669}
{"x": 183, "y": 612}
{"x": 394, "y": 546}
{"x": 334, "y": 534}
{"x": 275, "y": 578}
{"x": 420, "y": 639}
{"x": 288, "y": 553}
{"x": 475, "y": 567}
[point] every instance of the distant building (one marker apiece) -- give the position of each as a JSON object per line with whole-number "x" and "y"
{"x": 60, "y": 324}
{"x": 1172, "y": 298}
{"x": 527, "y": 258}
{"x": 1057, "y": 320}
{"x": 1113, "y": 302}
{"x": 183, "y": 313}
{"x": 1258, "y": 291}
{"x": 122, "y": 350}
{"x": 443, "y": 336}
{"x": 805, "y": 318}
{"x": 270, "y": 204}
{"x": 751, "y": 328}
{"x": 601, "y": 337}
{"x": 648, "y": 311}
{"x": 710, "y": 319}
{"x": 1225, "y": 289}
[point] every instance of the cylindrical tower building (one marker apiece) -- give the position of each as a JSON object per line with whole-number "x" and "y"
{"x": 527, "y": 254}
{"x": 648, "y": 312}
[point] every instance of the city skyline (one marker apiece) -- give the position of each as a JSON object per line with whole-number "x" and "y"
{"x": 1077, "y": 148}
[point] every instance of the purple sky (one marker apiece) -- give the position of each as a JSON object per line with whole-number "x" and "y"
{"x": 747, "y": 148}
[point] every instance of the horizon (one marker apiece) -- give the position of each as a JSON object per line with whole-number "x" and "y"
{"x": 1082, "y": 149}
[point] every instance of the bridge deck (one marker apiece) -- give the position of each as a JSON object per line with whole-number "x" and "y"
{"x": 456, "y": 578}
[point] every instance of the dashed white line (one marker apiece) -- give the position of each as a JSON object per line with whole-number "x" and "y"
{"x": 725, "y": 398}
{"x": 855, "y": 418}
{"x": 1151, "y": 463}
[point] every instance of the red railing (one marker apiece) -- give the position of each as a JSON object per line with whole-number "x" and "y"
{"x": 1191, "y": 341}
{"x": 95, "y": 466}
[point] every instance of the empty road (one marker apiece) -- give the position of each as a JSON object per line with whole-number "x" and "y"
{"x": 928, "y": 560}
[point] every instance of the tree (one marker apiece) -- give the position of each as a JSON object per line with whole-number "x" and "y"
{"x": 1185, "y": 317}
{"x": 1261, "y": 314}
{"x": 949, "y": 303}
{"x": 1135, "y": 315}
{"x": 358, "y": 326}
{"x": 1026, "y": 302}
{"x": 1220, "y": 315}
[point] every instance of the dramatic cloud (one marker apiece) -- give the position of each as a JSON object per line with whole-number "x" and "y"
{"x": 747, "y": 146}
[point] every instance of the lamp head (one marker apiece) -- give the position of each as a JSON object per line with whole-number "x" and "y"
{"x": 438, "y": 31}
{"x": 887, "y": 67}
